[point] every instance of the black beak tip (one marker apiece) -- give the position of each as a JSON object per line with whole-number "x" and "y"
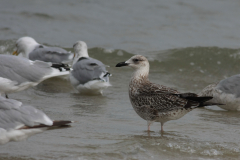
{"x": 121, "y": 64}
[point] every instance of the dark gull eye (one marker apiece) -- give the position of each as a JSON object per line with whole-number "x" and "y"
{"x": 135, "y": 60}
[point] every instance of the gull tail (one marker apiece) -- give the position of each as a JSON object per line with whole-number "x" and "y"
{"x": 194, "y": 101}
{"x": 61, "y": 66}
{"x": 210, "y": 104}
{"x": 59, "y": 123}
{"x": 106, "y": 76}
{"x": 58, "y": 71}
{"x": 203, "y": 101}
{"x": 194, "y": 97}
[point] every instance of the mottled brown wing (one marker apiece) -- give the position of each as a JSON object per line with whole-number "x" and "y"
{"x": 161, "y": 98}
{"x": 161, "y": 102}
{"x": 152, "y": 88}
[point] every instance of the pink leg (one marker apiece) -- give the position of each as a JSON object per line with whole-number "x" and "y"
{"x": 162, "y": 127}
{"x": 149, "y": 123}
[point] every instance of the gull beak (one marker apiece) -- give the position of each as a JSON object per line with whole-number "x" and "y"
{"x": 15, "y": 53}
{"x": 122, "y": 64}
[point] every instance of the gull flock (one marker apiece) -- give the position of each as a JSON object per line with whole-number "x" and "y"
{"x": 152, "y": 102}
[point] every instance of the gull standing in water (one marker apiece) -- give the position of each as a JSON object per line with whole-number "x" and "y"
{"x": 19, "y": 121}
{"x": 34, "y": 51}
{"x": 89, "y": 75}
{"x": 227, "y": 91}
{"x": 157, "y": 103}
{"x": 18, "y": 73}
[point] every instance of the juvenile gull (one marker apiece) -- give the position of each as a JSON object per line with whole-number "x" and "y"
{"x": 18, "y": 73}
{"x": 34, "y": 51}
{"x": 89, "y": 75}
{"x": 157, "y": 103}
{"x": 227, "y": 91}
{"x": 19, "y": 121}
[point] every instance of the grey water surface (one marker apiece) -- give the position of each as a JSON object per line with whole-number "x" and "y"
{"x": 189, "y": 44}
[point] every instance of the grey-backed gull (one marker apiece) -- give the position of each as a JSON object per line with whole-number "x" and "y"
{"x": 89, "y": 75}
{"x": 34, "y": 51}
{"x": 19, "y": 121}
{"x": 19, "y": 73}
{"x": 227, "y": 91}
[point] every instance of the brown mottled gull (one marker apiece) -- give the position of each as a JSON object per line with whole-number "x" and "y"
{"x": 157, "y": 103}
{"x": 227, "y": 91}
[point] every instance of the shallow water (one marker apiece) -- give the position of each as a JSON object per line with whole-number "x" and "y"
{"x": 106, "y": 126}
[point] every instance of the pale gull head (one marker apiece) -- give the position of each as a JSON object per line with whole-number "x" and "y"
{"x": 25, "y": 45}
{"x": 80, "y": 50}
{"x": 139, "y": 63}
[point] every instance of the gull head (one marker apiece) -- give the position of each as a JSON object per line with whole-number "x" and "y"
{"x": 25, "y": 45}
{"x": 135, "y": 62}
{"x": 80, "y": 50}
{"x": 139, "y": 63}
